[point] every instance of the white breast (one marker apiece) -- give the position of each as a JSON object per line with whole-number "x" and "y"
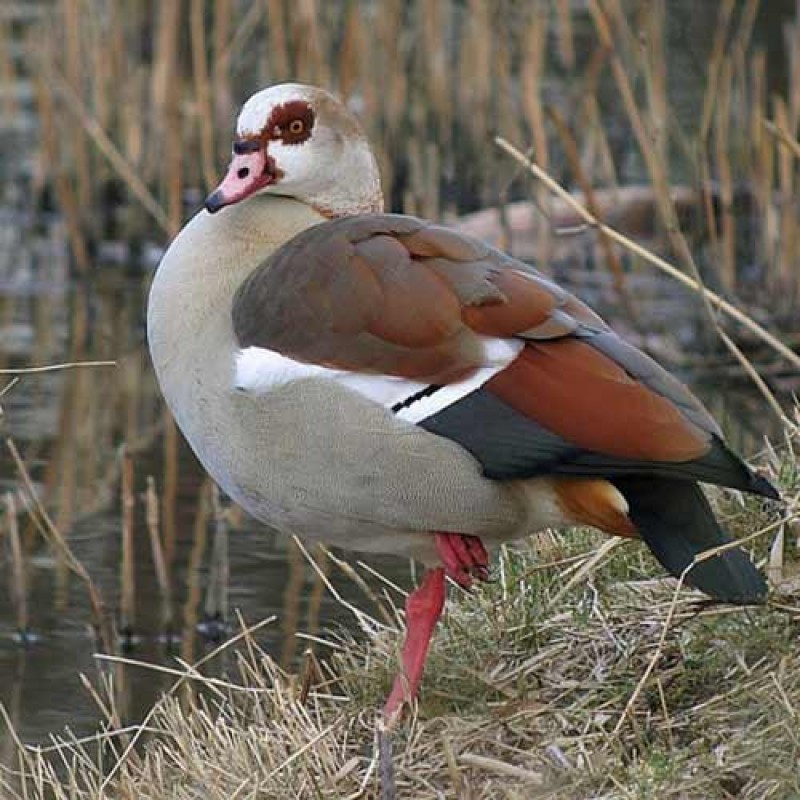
{"x": 260, "y": 371}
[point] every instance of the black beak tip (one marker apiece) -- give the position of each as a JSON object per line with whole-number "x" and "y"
{"x": 214, "y": 202}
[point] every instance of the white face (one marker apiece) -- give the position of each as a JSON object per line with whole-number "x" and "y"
{"x": 302, "y": 142}
{"x": 305, "y": 163}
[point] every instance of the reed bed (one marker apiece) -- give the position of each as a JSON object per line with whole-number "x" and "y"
{"x": 150, "y": 99}
{"x": 569, "y": 676}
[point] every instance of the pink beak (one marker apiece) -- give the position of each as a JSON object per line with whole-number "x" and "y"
{"x": 248, "y": 172}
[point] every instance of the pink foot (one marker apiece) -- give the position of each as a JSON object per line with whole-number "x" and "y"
{"x": 423, "y": 609}
{"x": 464, "y": 557}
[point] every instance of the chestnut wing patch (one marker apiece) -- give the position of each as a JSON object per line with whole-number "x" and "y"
{"x": 394, "y": 295}
{"x": 574, "y": 390}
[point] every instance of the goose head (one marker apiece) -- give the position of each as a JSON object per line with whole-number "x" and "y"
{"x": 301, "y": 142}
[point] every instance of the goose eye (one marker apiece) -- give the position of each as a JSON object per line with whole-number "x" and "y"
{"x": 296, "y": 126}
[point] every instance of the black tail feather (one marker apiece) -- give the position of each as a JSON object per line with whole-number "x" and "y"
{"x": 677, "y": 523}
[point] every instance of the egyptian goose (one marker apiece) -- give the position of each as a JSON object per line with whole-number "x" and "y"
{"x": 388, "y": 385}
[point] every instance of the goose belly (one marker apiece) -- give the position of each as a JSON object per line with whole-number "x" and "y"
{"x": 318, "y": 459}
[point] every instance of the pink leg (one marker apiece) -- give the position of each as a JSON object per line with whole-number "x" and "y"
{"x": 423, "y": 609}
{"x": 463, "y": 557}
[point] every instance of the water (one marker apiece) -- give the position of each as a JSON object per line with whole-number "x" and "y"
{"x": 70, "y": 425}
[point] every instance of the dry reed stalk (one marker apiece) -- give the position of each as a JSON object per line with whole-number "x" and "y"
{"x": 51, "y": 147}
{"x": 725, "y": 178}
{"x": 220, "y": 66}
{"x": 570, "y": 147}
{"x": 717, "y": 301}
{"x": 787, "y": 215}
{"x": 744, "y": 34}
{"x": 73, "y": 48}
{"x": 317, "y": 594}
{"x": 191, "y": 606}
{"x": 566, "y": 44}
{"x": 432, "y": 23}
{"x": 763, "y": 161}
{"x": 9, "y": 77}
{"x": 100, "y": 617}
{"x": 19, "y": 583}
{"x": 502, "y": 110}
{"x": 127, "y": 611}
{"x": 715, "y": 65}
{"x": 169, "y": 492}
{"x": 653, "y": 59}
{"x": 604, "y": 156}
{"x": 310, "y": 675}
{"x": 276, "y": 54}
{"x": 718, "y": 72}
{"x": 202, "y": 88}
{"x": 388, "y": 53}
{"x": 163, "y": 577}
{"x": 531, "y": 78}
{"x": 163, "y": 71}
{"x": 101, "y": 66}
{"x": 217, "y": 592}
{"x": 415, "y": 198}
{"x": 292, "y": 594}
{"x": 4, "y": 390}
{"x": 793, "y": 99}
{"x": 133, "y": 145}
{"x": 310, "y": 56}
{"x": 165, "y": 146}
{"x": 131, "y": 389}
{"x": 351, "y": 54}
{"x": 475, "y": 68}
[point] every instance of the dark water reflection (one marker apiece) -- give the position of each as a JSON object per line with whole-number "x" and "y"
{"x": 69, "y": 427}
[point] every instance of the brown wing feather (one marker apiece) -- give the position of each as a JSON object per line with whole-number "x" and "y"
{"x": 394, "y": 295}
{"x": 527, "y": 305}
{"x": 577, "y": 392}
{"x": 389, "y": 294}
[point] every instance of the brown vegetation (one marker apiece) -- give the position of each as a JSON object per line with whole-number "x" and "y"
{"x": 575, "y": 674}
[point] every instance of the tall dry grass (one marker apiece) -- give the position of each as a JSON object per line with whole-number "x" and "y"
{"x": 580, "y": 671}
{"x": 149, "y": 98}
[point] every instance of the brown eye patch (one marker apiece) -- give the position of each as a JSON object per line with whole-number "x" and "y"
{"x": 290, "y": 122}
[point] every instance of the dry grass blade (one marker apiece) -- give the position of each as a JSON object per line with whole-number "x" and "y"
{"x": 502, "y": 768}
{"x": 783, "y": 137}
{"x": 590, "y": 563}
{"x": 56, "y": 367}
{"x": 656, "y": 655}
{"x": 717, "y": 301}
{"x": 156, "y": 707}
{"x": 525, "y": 709}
